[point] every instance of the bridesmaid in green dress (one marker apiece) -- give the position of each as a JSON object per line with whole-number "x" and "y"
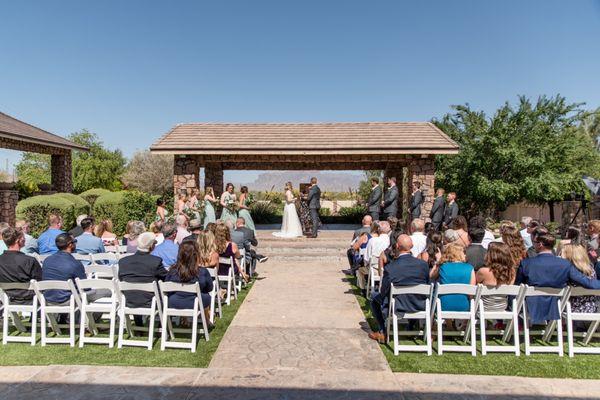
{"x": 209, "y": 209}
{"x": 244, "y": 209}
{"x": 228, "y": 197}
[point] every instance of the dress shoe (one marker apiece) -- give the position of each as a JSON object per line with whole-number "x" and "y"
{"x": 380, "y": 337}
{"x": 263, "y": 259}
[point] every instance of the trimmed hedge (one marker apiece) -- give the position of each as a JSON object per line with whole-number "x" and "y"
{"x": 124, "y": 206}
{"x": 92, "y": 195}
{"x": 37, "y": 208}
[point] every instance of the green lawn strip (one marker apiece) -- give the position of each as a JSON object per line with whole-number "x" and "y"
{"x": 537, "y": 365}
{"x": 95, "y": 354}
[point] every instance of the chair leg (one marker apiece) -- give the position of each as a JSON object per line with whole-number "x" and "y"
{"x": 228, "y": 291}
{"x": 395, "y": 328}
{"x": 43, "y": 327}
{"x": 526, "y": 332}
{"x": 5, "y": 324}
{"x": 440, "y": 339}
{"x": 167, "y": 329}
{"x": 482, "y": 322}
{"x": 82, "y": 320}
{"x": 473, "y": 334}
{"x": 111, "y": 334}
{"x": 151, "y": 328}
{"x": 194, "y": 330}
{"x": 570, "y": 331}
{"x": 590, "y": 332}
{"x": 18, "y": 323}
{"x": 515, "y": 326}
{"x": 72, "y": 326}
{"x": 121, "y": 328}
{"x": 559, "y": 332}
{"x": 34, "y": 323}
{"x": 428, "y": 333}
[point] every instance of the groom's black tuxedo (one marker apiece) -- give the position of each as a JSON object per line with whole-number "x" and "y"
{"x": 314, "y": 203}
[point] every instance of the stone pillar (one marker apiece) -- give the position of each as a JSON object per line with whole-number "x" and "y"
{"x": 61, "y": 173}
{"x": 186, "y": 173}
{"x": 423, "y": 170}
{"x": 396, "y": 171}
{"x": 8, "y": 204}
{"x": 213, "y": 177}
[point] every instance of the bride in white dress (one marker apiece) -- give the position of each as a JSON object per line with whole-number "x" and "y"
{"x": 290, "y": 227}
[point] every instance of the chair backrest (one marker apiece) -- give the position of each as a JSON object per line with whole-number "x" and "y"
{"x": 168, "y": 287}
{"x": 16, "y": 285}
{"x": 535, "y": 291}
{"x": 374, "y": 262}
{"x": 423, "y": 289}
{"x": 41, "y": 286}
{"x": 457, "y": 288}
{"x": 82, "y": 257}
{"x": 226, "y": 261}
{"x": 242, "y": 251}
{"x": 94, "y": 284}
{"x": 581, "y": 291}
{"x": 99, "y": 258}
{"x": 142, "y": 287}
{"x": 502, "y": 290}
{"x": 101, "y": 271}
{"x": 41, "y": 257}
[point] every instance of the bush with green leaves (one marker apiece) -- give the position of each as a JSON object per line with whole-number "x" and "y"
{"x": 36, "y": 210}
{"x": 92, "y": 195}
{"x": 353, "y": 214}
{"x": 124, "y": 206}
{"x": 264, "y": 212}
{"x": 325, "y": 212}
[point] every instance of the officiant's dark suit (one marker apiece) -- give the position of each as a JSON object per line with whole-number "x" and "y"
{"x": 314, "y": 203}
{"x": 437, "y": 211}
{"x": 374, "y": 202}
{"x": 390, "y": 200}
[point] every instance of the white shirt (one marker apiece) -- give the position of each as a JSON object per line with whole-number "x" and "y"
{"x": 182, "y": 233}
{"x": 487, "y": 239}
{"x": 376, "y": 246}
{"x": 419, "y": 241}
{"x": 526, "y": 238}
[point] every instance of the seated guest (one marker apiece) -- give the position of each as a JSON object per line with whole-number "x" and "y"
{"x": 104, "y": 230}
{"x": 3, "y": 227}
{"x": 572, "y": 236}
{"x": 594, "y": 241}
{"x": 451, "y": 236}
{"x": 402, "y": 270}
{"x": 182, "y": 228}
{"x": 525, "y": 234}
{"x": 31, "y": 245}
{"x": 18, "y": 267}
{"x": 364, "y": 229}
{"x": 532, "y": 229}
{"x": 475, "y": 253}
{"x": 548, "y": 270}
{"x": 141, "y": 267}
{"x": 578, "y": 256}
{"x": 207, "y": 249}
{"x": 419, "y": 240}
{"x": 375, "y": 247}
{"x": 433, "y": 252}
{"x": 187, "y": 270}
{"x": 87, "y": 243}
{"x": 226, "y": 248}
{"x": 454, "y": 269}
{"x": 62, "y": 266}
{"x": 460, "y": 227}
{"x": 497, "y": 270}
{"x": 237, "y": 237}
{"x": 512, "y": 237}
{"x": 195, "y": 228}
{"x": 47, "y": 240}
{"x": 78, "y": 230}
{"x": 249, "y": 241}
{"x": 212, "y": 227}
{"x": 479, "y": 222}
{"x": 135, "y": 229}
{"x": 156, "y": 228}
{"x": 168, "y": 249}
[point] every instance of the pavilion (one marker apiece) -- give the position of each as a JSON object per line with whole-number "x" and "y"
{"x": 18, "y": 135}
{"x": 398, "y": 148}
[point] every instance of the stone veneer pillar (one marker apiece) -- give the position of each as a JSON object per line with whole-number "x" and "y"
{"x": 185, "y": 174}
{"x": 213, "y": 177}
{"x": 8, "y": 203}
{"x": 61, "y": 173}
{"x": 423, "y": 170}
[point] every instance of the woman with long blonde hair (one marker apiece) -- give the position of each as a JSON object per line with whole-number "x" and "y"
{"x": 578, "y": 256}
{"x": 455, "y": 269}
{"x": 209, "y": 209}
{"x": 104, "y": 230}
{"x": 207, "y": 250}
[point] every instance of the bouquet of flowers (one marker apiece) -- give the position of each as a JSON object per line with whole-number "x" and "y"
{"x": 232, "y": 206}
{"x": 250, "y": 200}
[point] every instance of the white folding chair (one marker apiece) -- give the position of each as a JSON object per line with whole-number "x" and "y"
{"x": 242, "y": 262}
{"x": 125, "y": 312}
{"x": 86, "y": 259}
{"x": 215, "y": 296}
{"x": 592, "y": 318}
{"x": 373, "y": 277}
{"x": 561, "y": 295}
{"x": 197, "y": 310}
{"x": 104, "y": 305}
{"x": 469, "y": 333}
{"x": 48, "y": 311}
{"x": 228, "y": 280}
{"x": 517, "y": 293}
{"x": 11, "y": 311}
{"x": 106, "y": 259}
{"x": 425, "y": 315}
{"x": 95, "y": 271}
{"x": 41, "y": 258}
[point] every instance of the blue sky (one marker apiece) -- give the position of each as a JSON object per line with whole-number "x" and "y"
{"x": 130, "y": 70}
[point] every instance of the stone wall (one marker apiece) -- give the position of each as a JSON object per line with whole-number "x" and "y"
{"x": 213, "y": 177}
{"x": 61, "y": 173}
{"x": 8, "y": 203}
{"x": 20, "y": 145}
{"x": 185, "y": 174}
{"x": 423, "y": 170}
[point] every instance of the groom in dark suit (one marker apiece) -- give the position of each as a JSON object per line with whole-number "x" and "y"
{"x": 314, "y": 203}
{"x": 390, "y": 200}
{"x": 374, "y": 202}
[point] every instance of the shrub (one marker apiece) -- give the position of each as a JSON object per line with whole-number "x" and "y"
{"x": 92, "y": 195}
{"x": 264, "y": 212}
{"x": 353, "y": 214}
{"x": 325, "y": 212}
{"x": 37, "y": 208}
{"x": 122, "y": 207}
{"x": 80, "y": 206}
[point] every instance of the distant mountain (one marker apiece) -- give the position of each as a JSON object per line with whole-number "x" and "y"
{"x": 328, "y": 181}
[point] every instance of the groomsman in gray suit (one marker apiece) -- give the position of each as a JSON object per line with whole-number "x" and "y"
{"x": 314, "y": 203}
{"x": 438, "y": 210}
{"x": 374, "y": 202}
{"x": 390, "y": 200}
{"x": 416, "y": 200}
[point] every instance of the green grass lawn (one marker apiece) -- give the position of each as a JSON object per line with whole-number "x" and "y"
{"x": 94, "y": 354}
{"x": 537, "y": 365}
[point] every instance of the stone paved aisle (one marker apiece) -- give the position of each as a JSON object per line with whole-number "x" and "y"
{"x": 298, "y": 335}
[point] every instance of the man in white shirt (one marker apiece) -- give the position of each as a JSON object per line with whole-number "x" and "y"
{"x": 182, "y": 232}
{"x": 376, "y": 246}
{"x": 525, "y": 234}
{"x": 417, "y": 227}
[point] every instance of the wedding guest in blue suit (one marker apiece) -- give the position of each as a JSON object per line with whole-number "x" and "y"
{"x": 548, "y": 270}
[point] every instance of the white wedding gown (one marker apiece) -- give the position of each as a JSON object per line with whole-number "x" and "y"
{"x": 290, "y": 226}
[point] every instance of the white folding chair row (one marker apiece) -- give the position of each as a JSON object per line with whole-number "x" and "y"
{"x": 105, "y": 258}
{"x": 116, "y": 249}
{"x": 517, "y": 294}
{"x": 592, "y": 318}
{"x": 215, "y": 296}
{"x": 85, "y": 258}
{"x": 11, "y": 311}
{"x": 194, "y": 313}
{"x": 95, "y": 271}
{"x": 104, "y": 305}
{"x": 41, "y": 258}
{"x": 373, "y": 278}
{"x": 228, "y": 280}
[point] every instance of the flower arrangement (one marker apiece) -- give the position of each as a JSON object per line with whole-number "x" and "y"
{"x": 250, "y": 200}
{"x": 232, "y": 206}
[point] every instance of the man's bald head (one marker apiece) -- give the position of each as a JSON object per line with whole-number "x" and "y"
{"x": 404, "y": 244}
{"x": 367, "y": 220}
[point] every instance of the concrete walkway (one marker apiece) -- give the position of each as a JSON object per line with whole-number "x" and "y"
{"x": 298, "y": 335}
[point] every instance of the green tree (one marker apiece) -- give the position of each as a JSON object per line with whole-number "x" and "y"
{"x": 364, "y": 187}
{"x": 532, "y": 152}
{"x": 31, "y": 171}
{"x": 150, "y": 173}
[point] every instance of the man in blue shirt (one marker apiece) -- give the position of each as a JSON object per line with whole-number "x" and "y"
{"x": 62, "y": 266}
{"x": 47, "y": 240}
{"x": 87, "y": 243}
{"x": 168, "y": 249}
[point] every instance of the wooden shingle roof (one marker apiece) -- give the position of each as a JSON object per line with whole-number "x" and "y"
{"x": 12, "y": 128}
{"x": 306, "y": 138}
